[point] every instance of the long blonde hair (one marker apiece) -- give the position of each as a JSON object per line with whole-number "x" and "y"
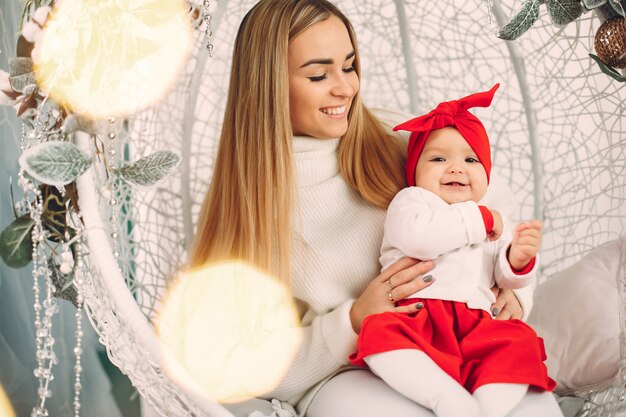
{"x": 246, "y": 212}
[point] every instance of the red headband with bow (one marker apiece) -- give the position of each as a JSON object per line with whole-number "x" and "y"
{"x": 450, "y": 113}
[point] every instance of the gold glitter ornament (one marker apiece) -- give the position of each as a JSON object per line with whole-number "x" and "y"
{"x": 610, "y": 42}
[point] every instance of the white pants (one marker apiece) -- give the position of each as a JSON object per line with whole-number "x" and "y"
{"x": 358, "y": 393}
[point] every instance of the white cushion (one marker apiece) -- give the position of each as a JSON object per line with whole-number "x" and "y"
{"x": 578, "y": 314}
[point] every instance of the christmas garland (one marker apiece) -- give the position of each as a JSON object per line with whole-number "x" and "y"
{"x": 610, "y": 38}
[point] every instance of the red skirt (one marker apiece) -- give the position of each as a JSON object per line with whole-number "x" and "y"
{"x": 467, "y": 344}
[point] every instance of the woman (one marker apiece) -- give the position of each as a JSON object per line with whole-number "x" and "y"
{"x": 302, "y": 178}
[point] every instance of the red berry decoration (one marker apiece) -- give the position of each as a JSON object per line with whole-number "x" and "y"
{"x": 610, "y": 42}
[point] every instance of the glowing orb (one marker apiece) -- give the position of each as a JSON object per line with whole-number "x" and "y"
{"x": 5, "y": 405}
{"x": 109, "y": 58}
{"x": 231, "y": 330}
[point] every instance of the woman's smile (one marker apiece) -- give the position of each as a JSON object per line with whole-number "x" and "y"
{"x": 334, "y": 111}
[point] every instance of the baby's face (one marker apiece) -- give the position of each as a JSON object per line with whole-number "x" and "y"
{"x": 450, "y": 168}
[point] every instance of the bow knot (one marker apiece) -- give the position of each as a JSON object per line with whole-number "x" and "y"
{"x": 447, "y": 108}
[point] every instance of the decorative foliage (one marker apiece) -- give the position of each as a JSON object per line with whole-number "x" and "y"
{"x": 618, "y": 7}
{"x": 16, "y": 245}
{"x": 592, "y": 4}
{"x": 610, "y": 40}
{"x": 55, "y": 162}
{"x": 151, "y": 169}
{"x": 7, "y": 95}
{"x": 608, "y": 70}
{"x": 563, "y": 12}
{"x": 48, "y": 229}
{"x": 521, "y": 22}
{"x": 18, "y": 88}
{"x": 614, "y": 6}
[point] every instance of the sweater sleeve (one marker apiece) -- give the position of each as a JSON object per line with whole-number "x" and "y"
{"x": 422, "y": 226}
{"x": 326, "y": 344}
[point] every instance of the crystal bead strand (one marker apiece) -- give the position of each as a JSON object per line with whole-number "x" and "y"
{"x": 78, "y": 351}
{"x": 39, "y": 331}
{"x": 113, "y": 191}
{"x": 493, "y": 27}
{"x": 44, "y": 341}
{"x": 208, "y": 34}
{"x": 78, "y": 281}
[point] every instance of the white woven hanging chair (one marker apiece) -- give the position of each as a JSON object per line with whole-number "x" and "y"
{"x": 557, "y": 135}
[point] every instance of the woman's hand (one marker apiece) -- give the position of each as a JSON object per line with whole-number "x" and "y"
{"x": 507, "y": 306}
{"x": 401, "y": 279}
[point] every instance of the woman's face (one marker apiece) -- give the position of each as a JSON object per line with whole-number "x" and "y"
{"x": 322, "y": 81}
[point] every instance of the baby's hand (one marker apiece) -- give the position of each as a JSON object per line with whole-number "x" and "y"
{"x": 496, "y": 232}
{"x": 525, "y": 244}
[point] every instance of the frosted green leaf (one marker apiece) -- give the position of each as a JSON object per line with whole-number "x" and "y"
{"x": 618, "y": 7}
{"x": 16, "y": 244}
{"x": 19, "y": 82}
{"x": 563, "y": 12}
{"x": 592, "y": 4}
{"x": 55, "y": 162}
{"x": 521, "y": 22}
{"x": 151, "y": 169}
{"x": 20, "y": 65}
{"x": 608, "y": 70}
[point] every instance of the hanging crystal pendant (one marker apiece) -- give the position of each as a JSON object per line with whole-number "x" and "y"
{"x": 208, "y": 34}
{"x": 44, "y": 341}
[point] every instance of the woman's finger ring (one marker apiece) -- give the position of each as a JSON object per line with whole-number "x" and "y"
{"x": 390, "y": 284}
{"x": 391, "y": 297}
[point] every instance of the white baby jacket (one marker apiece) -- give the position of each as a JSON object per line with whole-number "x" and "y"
{"x": 421, "y": 225}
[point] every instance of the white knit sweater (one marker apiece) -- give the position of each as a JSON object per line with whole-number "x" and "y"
{"x": 335, "y": 256}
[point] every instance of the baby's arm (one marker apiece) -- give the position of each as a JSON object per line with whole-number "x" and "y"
{"x": 422, "y": 226}
{"x": 525, "y": 244}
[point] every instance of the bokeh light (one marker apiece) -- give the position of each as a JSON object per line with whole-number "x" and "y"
{"x": 111, "y": 58}
{"x": 230, "y": 330}
{"x": 5, "y": 405}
